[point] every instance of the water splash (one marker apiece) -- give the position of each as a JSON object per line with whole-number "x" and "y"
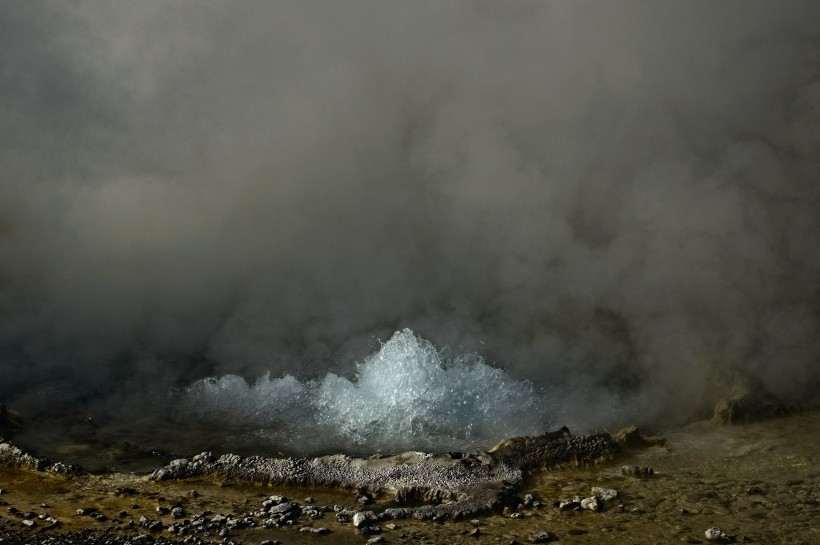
{"x": 407, "y": 395}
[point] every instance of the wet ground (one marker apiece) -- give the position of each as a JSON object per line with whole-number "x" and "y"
{"x": 759, "y": 483}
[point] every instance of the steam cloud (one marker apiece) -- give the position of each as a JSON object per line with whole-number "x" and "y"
{"x": 616, "y": 200}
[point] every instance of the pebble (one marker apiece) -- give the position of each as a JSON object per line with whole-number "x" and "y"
{"x": 363, "y": 517}
{"x": 716, "y": 534}
{"x": 567, "y": 505}
{"x": 528, "y": 500}
{"x": 374, "y": 540}
{"x": 637, "y": 471}
{"x": 178, "y": 513}
{"x": 592, "y": 503}
{"x": 604, "y": 494}
{"x": 475, "y": 532}
{"x": 540, "y": 537}
{"x": 309, "y": 530}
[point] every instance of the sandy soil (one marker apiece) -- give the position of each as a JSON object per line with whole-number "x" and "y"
{"x": 759, "y": 483}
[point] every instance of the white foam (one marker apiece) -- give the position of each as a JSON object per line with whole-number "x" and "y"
{"x": 407, "y": 395}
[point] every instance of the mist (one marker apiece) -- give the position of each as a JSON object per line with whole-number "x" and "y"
{"x": 617, "y": 202}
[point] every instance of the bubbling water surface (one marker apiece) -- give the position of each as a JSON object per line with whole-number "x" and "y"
{"x": 407, "y": 395}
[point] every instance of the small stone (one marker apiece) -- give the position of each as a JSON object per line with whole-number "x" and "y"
{"x": 604, "y": 494}
{"x": 309, "y": 499}
{"x": 178, "y": 513}
{"x": 516, "y": 515}
{"x": 363, "y": 517}
{"x": 309, "y": 530}
{"x": 364, "y": 499}
{"x": 637, "y": 471}
{"x": 475, "y": 532}
{"x": 568, "y": 505}
{"x": 161, "y": 510}
{"x": 475, "y": 522}
{"x": 716, "y": 534}
{"x": 374, "y": 540}
{"x": 528, "y": 499}
{"x": 390, "y": 526}
{"x": 29, "y": 523}
{"x": 540, "y": 537}
{"x": 592, "y": 503}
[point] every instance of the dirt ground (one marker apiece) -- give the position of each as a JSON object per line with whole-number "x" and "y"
{"x": 759, "y": 483}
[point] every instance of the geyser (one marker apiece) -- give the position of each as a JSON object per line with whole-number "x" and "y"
{"x": 615, "y": 204}
{"x": 405, "y": 396}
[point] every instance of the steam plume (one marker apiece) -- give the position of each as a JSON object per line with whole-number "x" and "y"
{"x": 616, "y": 200}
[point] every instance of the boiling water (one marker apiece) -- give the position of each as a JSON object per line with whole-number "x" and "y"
{"x": 407, "y": 395}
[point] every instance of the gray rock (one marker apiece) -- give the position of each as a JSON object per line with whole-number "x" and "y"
{"x": 310, "y": 530}
{"x": 716, "y": 534}
{"x": 604, "y": 494}
{"x": 284, "y": 508}
{"x": 540, "y": 537}
{"x": 362, "y": 518}
{"x": 591, "y": 503}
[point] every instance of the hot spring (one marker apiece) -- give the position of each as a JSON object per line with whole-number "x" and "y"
{"x": 219, "y": 222}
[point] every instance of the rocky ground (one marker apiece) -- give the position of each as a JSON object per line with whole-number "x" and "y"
{"x": 748, "y": 483}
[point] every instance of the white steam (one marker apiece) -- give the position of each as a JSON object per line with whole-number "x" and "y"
{"x": 617, "y": 201}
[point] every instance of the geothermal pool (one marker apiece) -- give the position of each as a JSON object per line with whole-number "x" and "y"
{"x": 408, "y": 395}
